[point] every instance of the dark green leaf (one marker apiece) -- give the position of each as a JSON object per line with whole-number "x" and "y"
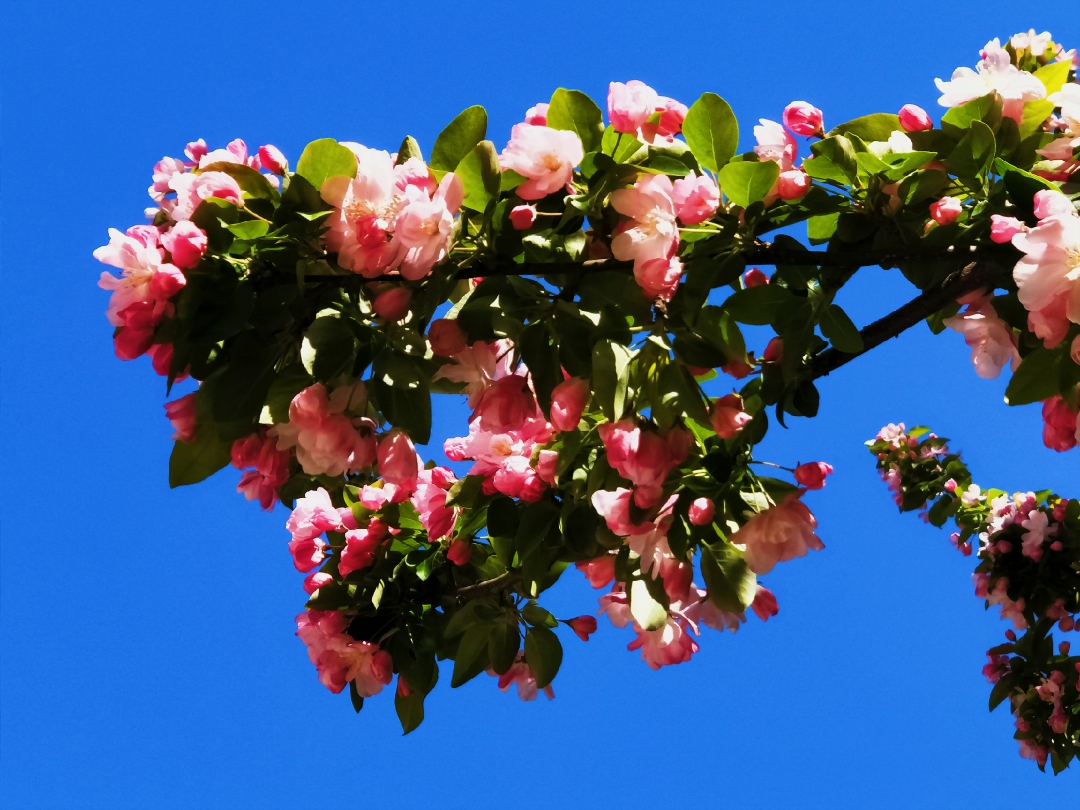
{"x": 458, "y": 139}
{"x": 410, "y": 710}
{"x": 333, "y": 345}
{"x": 841, "y": 332}
{"x": 197, "y": 461}
{"x": 409, "y": 149}
{"x": 748, "y": 182}
{"x": 757, "y": 305}
{"x": 543, "y": 653}
{"x": 541, "y": 354}
{"x": 730, "y": 582}
{"x": 471, "y": 657}
{"x": 1036, "y": 379}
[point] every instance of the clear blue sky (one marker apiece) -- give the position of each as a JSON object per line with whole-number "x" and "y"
{"x": 148, "y": 657}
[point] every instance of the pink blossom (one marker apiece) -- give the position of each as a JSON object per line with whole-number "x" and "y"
{"x": 728, "y": 417}
{"x": 1038, "y": 530}
{"x": 506, "y": 404}
{"x": 583, "y": 626}
{"x": 446, "y": 337}
{"x": 643, "y": 457}
{"x": 195, "y": 150}
{"x": 995, "y": 73}
{"x": 503, "y": 458}
{"x": 630, "y": 105}
{"x": 235, "y": 151}
{"x": 774, "y": 350}
{"x": 271, "y": 159}
{"x": 545, "y": 156}
{"x": 914, "y": 118}
{"x": 192, "y": 189}
{"x": 316, "y": 580}
{"x": 764, "y": 604}
{"x": 186, "y": 243}
{"x": 425, "y": 226}
{"x": 326, "y": 439}
{"x": 271, "y": 468}
{"x": 429, "y": 498}
{"x": 651, "y": 231}
{"x": 1059, "y": 424}
{"x": 339, "y": 658}
{"x": 398, "y": 462}
{"x": 701, "y": 512}
{"x": 537, "y": 115}
{"x": 460, "y": 552}
{"x": 393, "y": 304}
{"x": 522, "y": 217}
{"x": 812, "y": 475}
{"x": 1052, "y": 203}
{"x": 163, "y": 173}
{"x": 478, "y": 366}
{"x": 181, "y": 414}
{"x": 997, "y": 667}
{"x": 990, "y": 338}
{"x": 696, "y": 198}
{"x": 754, "y": 278}
{"x": 1050, "y": 323}
{"x": 307, "y": 552}
{"x": 776, "y": 144}
{"x": 568, "y": 401}
{"x": 138, "y": 255}
{"x": 599, "y": 571}
{"x": 167, "y": 282}
{"x": 670, "y": 644}
{"x": 792, "y": 184}
{"x": 658, "y": 278}
{"x": 315, "y": 513}
{"x": 614, "y": 508}
{"x": 1003, "y": 229}
{"x": 664, "y": 123}
{"x": 546, "y": 464}
{"x": 778, "y": 534}
{"x": 161, "y": 355}
{"x": 803, "y": 118}
{"x": 1048, "y": 271}
{"x": 946, "y": 210}
{"x": 520, "y": 674}
{"x": 137, "y": 335}
{"x": 361, "y": 546}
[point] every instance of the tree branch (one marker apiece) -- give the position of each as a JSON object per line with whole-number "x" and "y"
{"x": 973, "y": 277}
{"x": 499, "y": 583}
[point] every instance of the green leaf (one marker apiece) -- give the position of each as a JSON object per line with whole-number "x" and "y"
{"x": 975, "y": 152}
{"x": 251, "y": 182}
{"x": 251, "y": 229}
{"x": 238, "y": 391}
{"x": 757, "y": 305}
{"x": 1036, "y": 379}
{"x": 712, "y": 133}
{"x": 458, "y": 139}
{"x": 409, "y": 149}
{"x": 325, "y": 158}
{"x": 840, "y": 331}
{"x": 1035, "y": 114}
{"x": 289, "y": 382}
{"x": 354, "y": 696}
{"x": 401, "y": 389}
{"x": 1021, "y": 186}
{"x": 875, "y": 127}
{"x": 543, "y": 653}
{"x": 840, "y": 154}
{"x": 647, "y": 612}
{"x": 821, "y": 228}
{"x": 503, "y": 645}
{"x": 1053, "y": 76}
{"x": 540, "y": 353}
{"x": 329, "y": 348}
{"x": 574, "y": 111}
{"x": 986, "y": 109}
{"x": 197, "y": 461}
{"x": 730, "y": 582}
{"x": 479, "y": 173}
{"x": 748, "y": 182}
{"x": 610, "y": 366}
{"x": 410, "y": 710}
{"x": 471, "y": 656}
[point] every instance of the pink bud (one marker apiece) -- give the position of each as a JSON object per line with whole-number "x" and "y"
{"x": 315, "y": 580}
{"x": 764, "y": 604}
{"x": 701, "y": 512}
{"x": 271, "y": 159}
{"x": 728, "y": 417}
{"x": 393, "y": 305}
{"x": 537, "y": 116}
{"x": 672, "y": 116}
{"x": 1003, "y": 229}
{"x": 522, "y": 217}
{"x": 1011, "y": 636}
{"x": 946, "y": 210}
{"x": 568, "y": 401}
{"x": 914, "y": 118}
{"x": 774, "y": 350}
{"x": 696, "y": 198}
{"x": 950, "y": 485}
{"x": 1065, "y": 646}
{"x": 754, "y": 278}
{"x": 181, "y": 413}
{"x": 737, "y": 368}
{"x": 583, "y": 626}
{"x": 167, "y": 282}
{"x": 398, "y": 463}
{"x": 446, "y": 337}
{"x": 803, "y": 118}
{"x": 186, "y": 243}
{"x": 812, "y": 475}
{"x": 133, "y": 341}
{"x": 196, "y": 150}
{"x": 403, "y": 688}
{"x": 793, "y": 184}
{"x": 1050, "y": 203}
{"x": 630, "y": 105}
{"x": 460, "y": 552}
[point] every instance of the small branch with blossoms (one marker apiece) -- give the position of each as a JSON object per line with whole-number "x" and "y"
{"x": 585, "y": 290}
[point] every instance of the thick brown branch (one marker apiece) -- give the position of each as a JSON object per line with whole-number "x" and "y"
{"x": 973, "y": 277}
{"x": 489, "y": 586}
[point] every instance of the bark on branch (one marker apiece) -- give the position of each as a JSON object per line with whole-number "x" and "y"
{"x": 489, "y": 586}
{"x": 973, "y": 277}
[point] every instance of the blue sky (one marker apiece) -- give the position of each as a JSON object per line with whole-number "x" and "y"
{"x": 148, "y": 657}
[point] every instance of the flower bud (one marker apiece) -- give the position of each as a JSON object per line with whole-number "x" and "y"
{"x": 460, "y": 552}
{"x": 1050, "y": 202}
{"x": 583, "y": 626}
{"x": 1003, "y": 229}
{"x": 793, "y": 184}
{"x": 393, "y": 304}
{"x": 946, "y": 210}
{"x": 186, "y": 243}
{"x": 764, "y": 604}
{"x": 446, "y": 337}
{"x": 398, "y": 463}
{"x": 812, "y": 475}
{"x": 315, "y": 580}
{"x": 522, "y": 217}
{"x": 754, "y": 278}
{"x": 630, "y": 105}
{"x": 537, "y": 116}
{"x": 803, "y": 118}
{"x": 701, "y": 512}
{"x": 181, "y": 413}
{"x": 728, "y": 417}
{"x": 271, "y": 159}
{"x": 914, "y": 118}
{"x": 568, "y": 401}
{"x": 774, "y": 350}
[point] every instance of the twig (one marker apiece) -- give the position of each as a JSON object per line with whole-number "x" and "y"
{"x": 499, "y": 583}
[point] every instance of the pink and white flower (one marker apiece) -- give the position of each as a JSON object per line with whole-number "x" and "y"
{"x": 651, "y": 231}
{"x": 545, "y": 157}
{"x": 993, "y": 345}
{"x": 327, "y": 440}
{"x": 778, "y": 534}
{"x": 995, "y": 73}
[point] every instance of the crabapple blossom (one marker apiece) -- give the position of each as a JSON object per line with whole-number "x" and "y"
{"x": 186, "y": 243}
{"x": 701, "y": 512}
{"x": 812, "y": 475}
{"x": 1003, "y": 229}
{"x": 393, "y": 304}
{"x": 658, "y": 278}
{"x": 914, "y": 118}
{"x": 776, "y": 144}
{"x": 181, "y": 414}
{"x": 754, "y": 278}
{"x": 650, "y": 231}
{"x": 792, "y": 184}
{"x": 537, "y": 115}
{"x": 545, "y": 157}
{"x": 327, "y": 441}
{"x": 777, "y": 534}
{"x": 727, "y": 416}
{"x": 803, "y": 118}
{"x": 946, "y": 210}
{"x": 990, "y": 338}
{"x": 583, "y": 626}
{"x": 696, "y": 198}
{"x": 522, "y": 217}
{"x": 271, "y": 159}
{"x": 521, "y": 674}
{"x": 446, "y": 338}
{"x": 568, "y": 401}
{"x": 995, "y": 73}
{"x": 644, "y": 457}
{"x": 630, "y": 105}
